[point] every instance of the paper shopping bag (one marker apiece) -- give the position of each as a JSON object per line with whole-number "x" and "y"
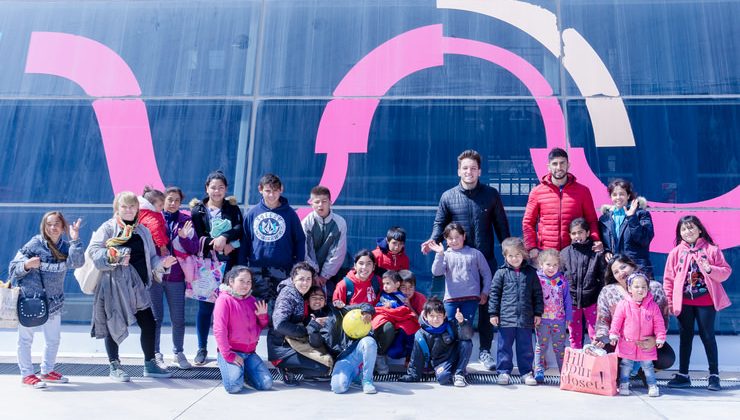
{"x": 587, "y": 373}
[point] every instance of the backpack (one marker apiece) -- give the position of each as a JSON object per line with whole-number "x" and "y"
{"x": 424, "y": 346}
{"x": 351, "y": 287}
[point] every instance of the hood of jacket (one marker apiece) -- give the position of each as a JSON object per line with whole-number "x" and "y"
{"x": 279, "y": 209}
{"x": 642, "y": 204}
{"x": 145, "y": 204}
{"x": 225, "y": 288}
{"x": 547, "y": 180}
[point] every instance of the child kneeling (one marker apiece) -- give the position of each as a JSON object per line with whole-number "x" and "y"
{"x": 446, "y": 345}
{"x": 238, "y": 319}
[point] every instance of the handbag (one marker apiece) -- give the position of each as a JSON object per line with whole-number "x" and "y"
{"x": 207, "y": 276}
{"x": 88, "y": 276}
{"x": 33, "y": 310}
{"x": 8, "y": 305}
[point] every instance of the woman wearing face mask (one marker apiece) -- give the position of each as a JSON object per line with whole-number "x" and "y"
{"x": 123, "y": 250}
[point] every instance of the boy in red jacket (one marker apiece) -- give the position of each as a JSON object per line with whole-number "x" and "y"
{"x": 390, "y": 253}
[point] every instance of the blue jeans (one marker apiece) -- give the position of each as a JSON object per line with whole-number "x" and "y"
{"x": 254, "y": 373}
{"x": 524, "y": 351}
{"x": 361, "y": 359}
{"x": 467, "y": 307}
{"x": 456, "y": 364}
{"x": 625, "y": 369}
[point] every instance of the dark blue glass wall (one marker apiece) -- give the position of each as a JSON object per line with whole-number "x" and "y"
{"x": 242, "y": 86}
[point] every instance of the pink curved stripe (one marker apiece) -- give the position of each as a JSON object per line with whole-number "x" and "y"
{"x": 393, "y": 60}
{"x": 127, "y": 140}
{"x": 532, "y": 79}
{"x": 124, "y": 124}
{"x": 97, "y": 69}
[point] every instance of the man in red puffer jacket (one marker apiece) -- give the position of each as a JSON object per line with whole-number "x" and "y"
{"x": 553, "y": 204}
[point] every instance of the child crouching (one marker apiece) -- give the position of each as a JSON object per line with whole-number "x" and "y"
{"x": 445, "y": 345}
{"x": 238, "y": 319}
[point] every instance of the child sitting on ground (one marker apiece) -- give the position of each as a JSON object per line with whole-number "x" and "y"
{"x": 444, "y": 344}
{"x": 635, "y": 318}
{"x": 390, "y": 253}
{"x": 515, "y": 306}
{"x": 151, "y": 204}
{"x": 553, "y": 330}
{"x": 391, "y": 296}
{"x": 238, "y": 319}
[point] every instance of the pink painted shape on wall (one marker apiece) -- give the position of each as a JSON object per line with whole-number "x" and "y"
{"x": 345, "y": 124}
{"x": 124, "y": 124}
{"x": 97, "y": 69}
{"x": 393, "y": 60}
{"x": 120, "y": 121}
{"x": 538, "y": 86}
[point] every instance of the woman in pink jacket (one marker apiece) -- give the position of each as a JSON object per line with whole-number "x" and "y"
{"x": 637, "y": 317}
{"x": 693, "y": 278}
{"x": 238, "y": 319}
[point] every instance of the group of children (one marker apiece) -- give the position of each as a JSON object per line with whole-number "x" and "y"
{"x": 554, "y": 295}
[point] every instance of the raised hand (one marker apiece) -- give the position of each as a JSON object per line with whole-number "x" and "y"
{"x": 459, "y": 316}
{"x": 425, "y": 246}
{"x": 74, "y": 230}
{"x": 186, "y": 230}
{"x": 261, "y": 308}
{"x": 633, "y": 208}
{"x": 438, "y": 248}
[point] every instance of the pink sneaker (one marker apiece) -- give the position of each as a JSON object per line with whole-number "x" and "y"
{"x": 33, "y": 381}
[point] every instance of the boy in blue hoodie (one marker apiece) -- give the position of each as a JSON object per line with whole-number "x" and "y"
{"x": 273, "y": 238}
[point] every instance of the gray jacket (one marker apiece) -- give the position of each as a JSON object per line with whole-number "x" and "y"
{"x": 121, "y": 292}
{"x": 466, "y": 272}
{"x": 337, "y": 243}
{"x": 52, "y": 271}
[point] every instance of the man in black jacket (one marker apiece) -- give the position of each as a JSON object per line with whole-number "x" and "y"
{"x": 478, "y": 208}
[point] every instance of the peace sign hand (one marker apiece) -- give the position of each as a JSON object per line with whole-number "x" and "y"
{"x": 74, "y": 230}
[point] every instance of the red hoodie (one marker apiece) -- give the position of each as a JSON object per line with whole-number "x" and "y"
{"x": 388, "y": 261}
{"x": 235, "y": 325}
{"x": 364, "y": 292}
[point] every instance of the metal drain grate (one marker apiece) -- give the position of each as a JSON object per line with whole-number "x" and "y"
{"x": 212, "y": 373}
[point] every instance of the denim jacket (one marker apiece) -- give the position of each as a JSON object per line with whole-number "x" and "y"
{"x": 52, "y": 271}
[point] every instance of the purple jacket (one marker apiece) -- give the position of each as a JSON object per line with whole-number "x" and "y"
{"x": 178, "y": 246}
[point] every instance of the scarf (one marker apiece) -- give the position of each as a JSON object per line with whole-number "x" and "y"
{"x": 618, "y": 216}
{"x": 127, "y": 231}
{"x": 432, "y": 330}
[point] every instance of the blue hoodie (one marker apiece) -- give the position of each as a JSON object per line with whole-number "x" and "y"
{"x": 273, "y": 237}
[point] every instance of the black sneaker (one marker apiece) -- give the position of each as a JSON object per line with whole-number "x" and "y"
{"x": 289, "y": 379}
{"x": 679, "y": 381}
{"x": 714, "y": 383}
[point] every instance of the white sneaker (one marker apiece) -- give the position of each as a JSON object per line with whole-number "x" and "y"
{"x": 653, "y": 391}
{"x": 181, "y": 361}
{"x": 459, "y": 381}
{"x": 504, "y": 379}
{"x": 624, "y": 389}
{"x": 159, "y": 359}
{"x": 530, "y": 380}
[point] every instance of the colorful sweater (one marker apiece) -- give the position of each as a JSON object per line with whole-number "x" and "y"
{"x": 556, "y": 295}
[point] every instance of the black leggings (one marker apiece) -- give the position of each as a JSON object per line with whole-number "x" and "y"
{"x": 704, "y": 317}
{"x": 384, "y": 336}
{"x": 145, "y": 320}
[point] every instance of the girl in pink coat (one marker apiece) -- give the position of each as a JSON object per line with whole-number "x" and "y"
{"x": 693, "y": 278}
{"x": 634, "y": 319}
{"x": 238, "y": 319}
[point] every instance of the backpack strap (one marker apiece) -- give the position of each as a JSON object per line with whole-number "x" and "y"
{"x": 350, "y": 289}
{"x": 375, "y": 284}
